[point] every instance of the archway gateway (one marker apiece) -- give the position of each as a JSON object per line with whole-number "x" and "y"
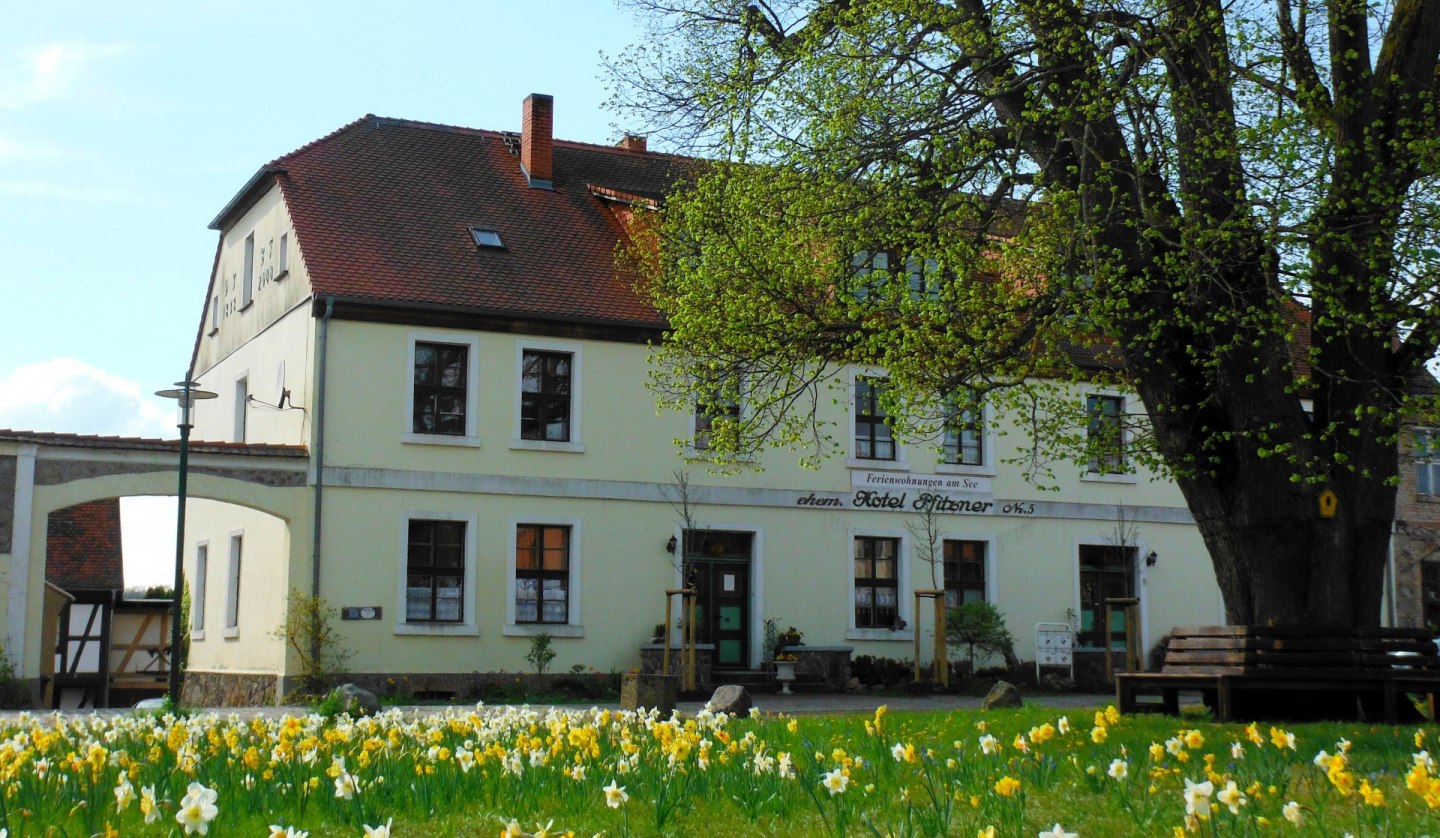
{"x": 41, "y": 473}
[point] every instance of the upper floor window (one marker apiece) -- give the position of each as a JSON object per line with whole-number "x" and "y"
{"x": 1427, "y": 462}
{"x": 545, "y": 379}
{"x": 964, "y": 441}
{"x": 441, "y": 382}
{"x": 1105, "y": 433}
{"x": 873, "y": 439}
{"x": 716, "y": 406}
{"x": 868, "y": 272}
{"x": 435, "y": 571}
{"x": 923, "y": 277}
{"x": 247, "y": 280}
{"x": 542, "y": 574}
{"x": 283, "y": 254}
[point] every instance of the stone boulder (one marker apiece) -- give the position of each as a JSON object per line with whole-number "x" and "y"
{"x": 357, "y": 701}
{"x": 730, "y": 698}
{"x": 1003, "y": 694}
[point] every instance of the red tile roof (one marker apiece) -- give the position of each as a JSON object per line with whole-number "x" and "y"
{"x": 382, "y": 210}
{"x": 82, "y": 548}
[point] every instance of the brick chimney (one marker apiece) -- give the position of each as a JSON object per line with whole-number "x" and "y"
{"x": 536, "y": 140}
{"x": 633, "y": 142}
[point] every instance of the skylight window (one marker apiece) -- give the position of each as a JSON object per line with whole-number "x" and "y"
{"x": 487, "y": 237}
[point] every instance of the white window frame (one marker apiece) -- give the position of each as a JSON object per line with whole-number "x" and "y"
{"x": 576, "y": 443}
{"x": 214, "y": 314}
{"x": 1431, "y": 463}
{"x": 986, "y": 468}
{"x": 247, "y": 277}
{"x": 471, "y": 438}
{"x": 902, "y": 586}
{"x": 468, "y": 626}
{"x": 574, "y": 626}
{"x": 242, "y": 393}
{"x": 283, "y": 258}
{"x": 197, "y": 592}
{"x": 741, "y": 411}
{"x": 1127, "y": 438}
{"x": 992, "y": 590}
{"x": 234, "y": 568}
{"x": 853, "y": 460}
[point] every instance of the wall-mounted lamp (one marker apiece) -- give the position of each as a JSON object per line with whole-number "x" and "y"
{"x": 1151, "y": 559}
{"x": 670, "y": 545}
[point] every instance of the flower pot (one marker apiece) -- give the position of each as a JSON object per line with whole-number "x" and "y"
{"x": 785, "y": 673}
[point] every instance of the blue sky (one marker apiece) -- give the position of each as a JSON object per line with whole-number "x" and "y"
{"x": 126, "y": 127}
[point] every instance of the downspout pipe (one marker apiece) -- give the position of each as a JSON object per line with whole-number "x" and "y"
{"x": 322, "y": 345}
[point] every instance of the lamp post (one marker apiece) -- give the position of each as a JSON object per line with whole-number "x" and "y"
{"x": 185, "y": 394}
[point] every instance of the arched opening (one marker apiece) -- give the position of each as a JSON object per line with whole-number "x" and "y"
{"x": 109, "y": 598}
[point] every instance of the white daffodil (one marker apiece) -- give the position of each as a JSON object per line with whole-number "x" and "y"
{"x": 1232, "y": 797}
{"x": 1292, "y": 813}
{"x": 1119, "y": 769}
{"x": 1197, "y": 797}
{"x": 124, "y": 794}
{"x": 615, "y": 795}
{"x": 197, "y": 809}
{"x": 1058, "y": 831}
{"x": 835, "y": 781}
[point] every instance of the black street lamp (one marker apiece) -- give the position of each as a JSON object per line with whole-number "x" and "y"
{"x": 185, "y": 394}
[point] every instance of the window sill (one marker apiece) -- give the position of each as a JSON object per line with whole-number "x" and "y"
{"x": 1427, "y": 498}
{"x": 545, "y": 445}
{"x": 437, "y": 629}
{"x": 877, "y": 465}
{"x": 1097, "y": 477}
{"x": 198, "y": 634}
{"x": 232, "y": 633}
{"x": 537, "y": 629}
{"x": 959, "y": 468}
{"x": 441, "y": 439}
{"x": 281, "y": 275}
{"x": 246, "y": 307}
{"x": 213, "y": 332}
{"x": 879, "y": 634}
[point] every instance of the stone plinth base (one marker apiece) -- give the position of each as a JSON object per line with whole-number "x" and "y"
{"x": 639, "y": 691}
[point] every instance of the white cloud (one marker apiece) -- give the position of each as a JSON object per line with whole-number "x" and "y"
{"x": 52, "y": 71}
{"x": 70, "y": 396}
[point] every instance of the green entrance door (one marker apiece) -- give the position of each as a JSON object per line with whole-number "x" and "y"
{"x": 721, "y": 570}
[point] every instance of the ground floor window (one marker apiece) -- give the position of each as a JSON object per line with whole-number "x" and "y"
{"x": 542, "y": 573}
{"x": 877, "y": 584}
{"x": 964, "y": 571}
{"x": 435, "y": 572}
{"x": 1106, "y": 572}
{"x": 1430, "y": 592}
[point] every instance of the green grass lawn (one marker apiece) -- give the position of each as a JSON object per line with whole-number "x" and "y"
{"x": 463, "y": 771}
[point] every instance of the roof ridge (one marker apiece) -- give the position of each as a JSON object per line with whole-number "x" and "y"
{"x": 318, "y": 140}
{"x": 620, "y": 150}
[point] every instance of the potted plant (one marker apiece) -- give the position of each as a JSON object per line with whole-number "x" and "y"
{"x": 784, "y": 660}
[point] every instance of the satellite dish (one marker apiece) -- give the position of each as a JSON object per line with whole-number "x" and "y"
{"x": 281, "y": 394}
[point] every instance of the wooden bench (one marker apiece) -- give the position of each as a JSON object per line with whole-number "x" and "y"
{"x": 1378, "y": 666}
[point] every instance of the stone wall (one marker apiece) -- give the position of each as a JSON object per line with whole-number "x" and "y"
{"x": 651, "y": 664}
{"x": 228, "y": 689}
